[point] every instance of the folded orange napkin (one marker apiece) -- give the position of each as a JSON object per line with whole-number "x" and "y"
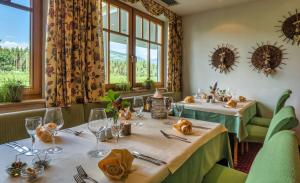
{"x": 242, "y": 99}
{"x": 189, "y": 99}
{"x": 232, "y": 103}
{"x": 44, "y": 132}
{"x": 184, "y": 126}
{"x": 125, "y": 114}
{"x": 117, "y": 164}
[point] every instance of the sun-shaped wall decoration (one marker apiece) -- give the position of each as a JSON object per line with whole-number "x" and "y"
{"x": 224, "y": 58}
{"x": 290, "y": 28}
{"x": 267, "y": 58}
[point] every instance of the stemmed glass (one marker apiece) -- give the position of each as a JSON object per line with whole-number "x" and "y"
{"x": 97, "y": 125}
{"x": 168, "y": 105}
{"x": 31, "y": 124}
{"x": 179, "y": 108}
{"x": 116, "y": 128}
{"x": 54, "y": 121}
{"x": 138, "y": 106}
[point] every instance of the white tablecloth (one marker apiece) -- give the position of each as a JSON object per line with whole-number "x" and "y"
{"x": 146, "y": 139}
{"x": 219, "y": 107}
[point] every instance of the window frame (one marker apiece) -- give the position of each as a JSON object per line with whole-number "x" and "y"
{"x": 132, "y": 42}
{"x": 35, "y": 46}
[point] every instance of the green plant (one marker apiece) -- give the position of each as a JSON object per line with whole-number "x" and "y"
{"x": 149, "y": 83}
{"x": 114, "y": 103}
{"x": 123, "y": 87}
{"x": 11, "y": 90}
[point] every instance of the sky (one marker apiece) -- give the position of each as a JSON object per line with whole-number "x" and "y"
{"x": 14, "y": 26}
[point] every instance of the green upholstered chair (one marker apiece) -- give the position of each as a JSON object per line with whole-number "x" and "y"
{"x": 277, "y": 162}
{"x": 285, "y": 119}
{"x": 265, "y": 122}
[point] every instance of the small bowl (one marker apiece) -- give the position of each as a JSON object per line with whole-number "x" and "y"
{"x": 32, "y": 173}
{"x": 15, "y": 172}
{"x": 42, "y": 160}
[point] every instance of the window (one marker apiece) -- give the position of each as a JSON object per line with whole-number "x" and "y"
{"x": 133, "y": 45}
{"x": 20, "y": 43}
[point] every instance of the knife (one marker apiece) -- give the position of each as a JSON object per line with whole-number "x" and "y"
{"x": 146, "y": 159}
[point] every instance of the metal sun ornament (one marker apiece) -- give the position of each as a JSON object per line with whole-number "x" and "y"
{"x": 267, "y": 58}
{"x": 223, "y": 58}
{"x": 290, "y": 28}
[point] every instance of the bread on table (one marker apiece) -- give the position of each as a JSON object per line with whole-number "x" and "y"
{"x": 232, "y": 103}
{"x": 189, "y": 99}
{"x": 242, "y": 99}
{"x": 184, "y": 126}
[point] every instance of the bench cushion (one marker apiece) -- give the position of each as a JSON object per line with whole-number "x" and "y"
{"x": 260, "y": 121}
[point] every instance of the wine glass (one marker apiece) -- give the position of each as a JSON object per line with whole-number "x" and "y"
{"x": 168, "y": 105}
{"x": 138, "y": 106}
{"x": 31, "y": 124}
{"x": 54, "y": 121}
{"x": 116, "y": 128}
{"x": 97, "y": 125}
{"x": 179, "y": 107}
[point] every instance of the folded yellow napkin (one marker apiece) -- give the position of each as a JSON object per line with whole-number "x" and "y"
{"x": 184, "y": 126}
{"x": 189, "y": 99}
{"x": 117, "y": 164}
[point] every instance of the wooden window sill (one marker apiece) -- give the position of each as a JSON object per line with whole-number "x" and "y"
{"x": 23, "y": 105}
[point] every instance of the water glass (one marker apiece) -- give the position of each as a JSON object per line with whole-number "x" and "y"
{"x": 97, "y": 124}
{"x": 116, "y": 128}
{"x": 179, "y": 108}
{"x": 55, "y": 121}
{"x": 31, "y": 124}
{"x": 138, "y": 106}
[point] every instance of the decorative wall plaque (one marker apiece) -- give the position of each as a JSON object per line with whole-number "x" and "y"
{"x": 290, "y": 28}
{"x": 224, "y": 58}
{"x": 267, "y": 58}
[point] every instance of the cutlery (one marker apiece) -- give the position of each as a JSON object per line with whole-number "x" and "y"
{"x": 143, "y": 155}
{"x": 20, "y": 150}
{"x": 202, "y": 127}
{"x": 23, "y": 147}
{"x": 170, "y": 136}
{"x": 77, "y": 133}
{"x": 147, "y": 159}
{"x": 78, "y": 179}
{"x": 83, "y": 174}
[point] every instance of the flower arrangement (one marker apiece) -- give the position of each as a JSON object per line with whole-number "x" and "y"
{"x": 115, "y": 103}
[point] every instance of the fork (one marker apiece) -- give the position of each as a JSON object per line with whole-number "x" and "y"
{"x": 77, "y": 133}
{"x": 78, "y": 179}
{"x": 83, "y": 174}
{"x": 170, "y": 136}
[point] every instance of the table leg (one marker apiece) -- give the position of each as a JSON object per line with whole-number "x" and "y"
{"x": 247, "y": 147}
{"x": 242, "y": 148}
{"x": 235, "y": 153}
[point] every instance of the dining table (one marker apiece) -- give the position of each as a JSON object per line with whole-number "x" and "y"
{"x": 185, "y": 162}
{"x": 234, "y": 119}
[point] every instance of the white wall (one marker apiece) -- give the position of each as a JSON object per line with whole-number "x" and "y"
{"x": 242, "y": 26}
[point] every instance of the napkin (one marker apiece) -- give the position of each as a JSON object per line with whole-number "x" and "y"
{"x": 189, "y": 99}
{"x": 184, "y": 126}
{"x": 117, "y": 164}
{"x": 44, "y": 132}
{"x": 242, "y": 99}
{"x": 232, "y": 103}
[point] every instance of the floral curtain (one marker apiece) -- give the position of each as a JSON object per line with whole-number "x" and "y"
{"x": 175, "y": 37}
{"x": 74, "y": 53}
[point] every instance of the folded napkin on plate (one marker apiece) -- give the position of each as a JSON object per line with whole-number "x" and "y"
{"x": 184, "y": 126}
{"x": 117, "y": 164}
{"x": 44, "y": 132}
{"x": 189, "y": 99}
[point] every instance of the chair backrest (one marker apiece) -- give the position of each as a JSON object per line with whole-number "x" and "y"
{"x": 285, "y": 119}
{"x": 277, "y": 161}
{"x": 281, "y": 101}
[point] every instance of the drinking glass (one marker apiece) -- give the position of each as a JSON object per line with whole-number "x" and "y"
{"x": 116, "y": 128}
{"x": 55, "y": 121}
{"x": 179, "y": 107}
{"x": 138, "y": 106}
{"x": 97, "y": 125}
{"x": 168, "y": 105}
{"x": 31, "y": 124}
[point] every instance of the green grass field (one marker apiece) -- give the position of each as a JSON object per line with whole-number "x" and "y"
{"x": 18, "y": 75}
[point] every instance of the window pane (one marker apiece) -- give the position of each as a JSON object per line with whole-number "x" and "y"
{"x": 104, "y": 14}
{"x": 22, "y": 2}
{"x": 105, "y": 47}
{"x": 124, "y": 21}
{"x": 138, "y": 27}
{"x": 142, "y": 61}
{"x": 14, "y": 45}
{"x": 146, "y": 29}
{"x": 155, "y": 60}
{"x": 159, "y": 33}
{"x": 153, "y": 32}
{"x": 114, "y": 18}
{"x": 118, "y": 58}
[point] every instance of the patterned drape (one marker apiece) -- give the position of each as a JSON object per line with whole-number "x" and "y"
{"x": 175, "y": 37}
{"x": 74, "y": 53}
